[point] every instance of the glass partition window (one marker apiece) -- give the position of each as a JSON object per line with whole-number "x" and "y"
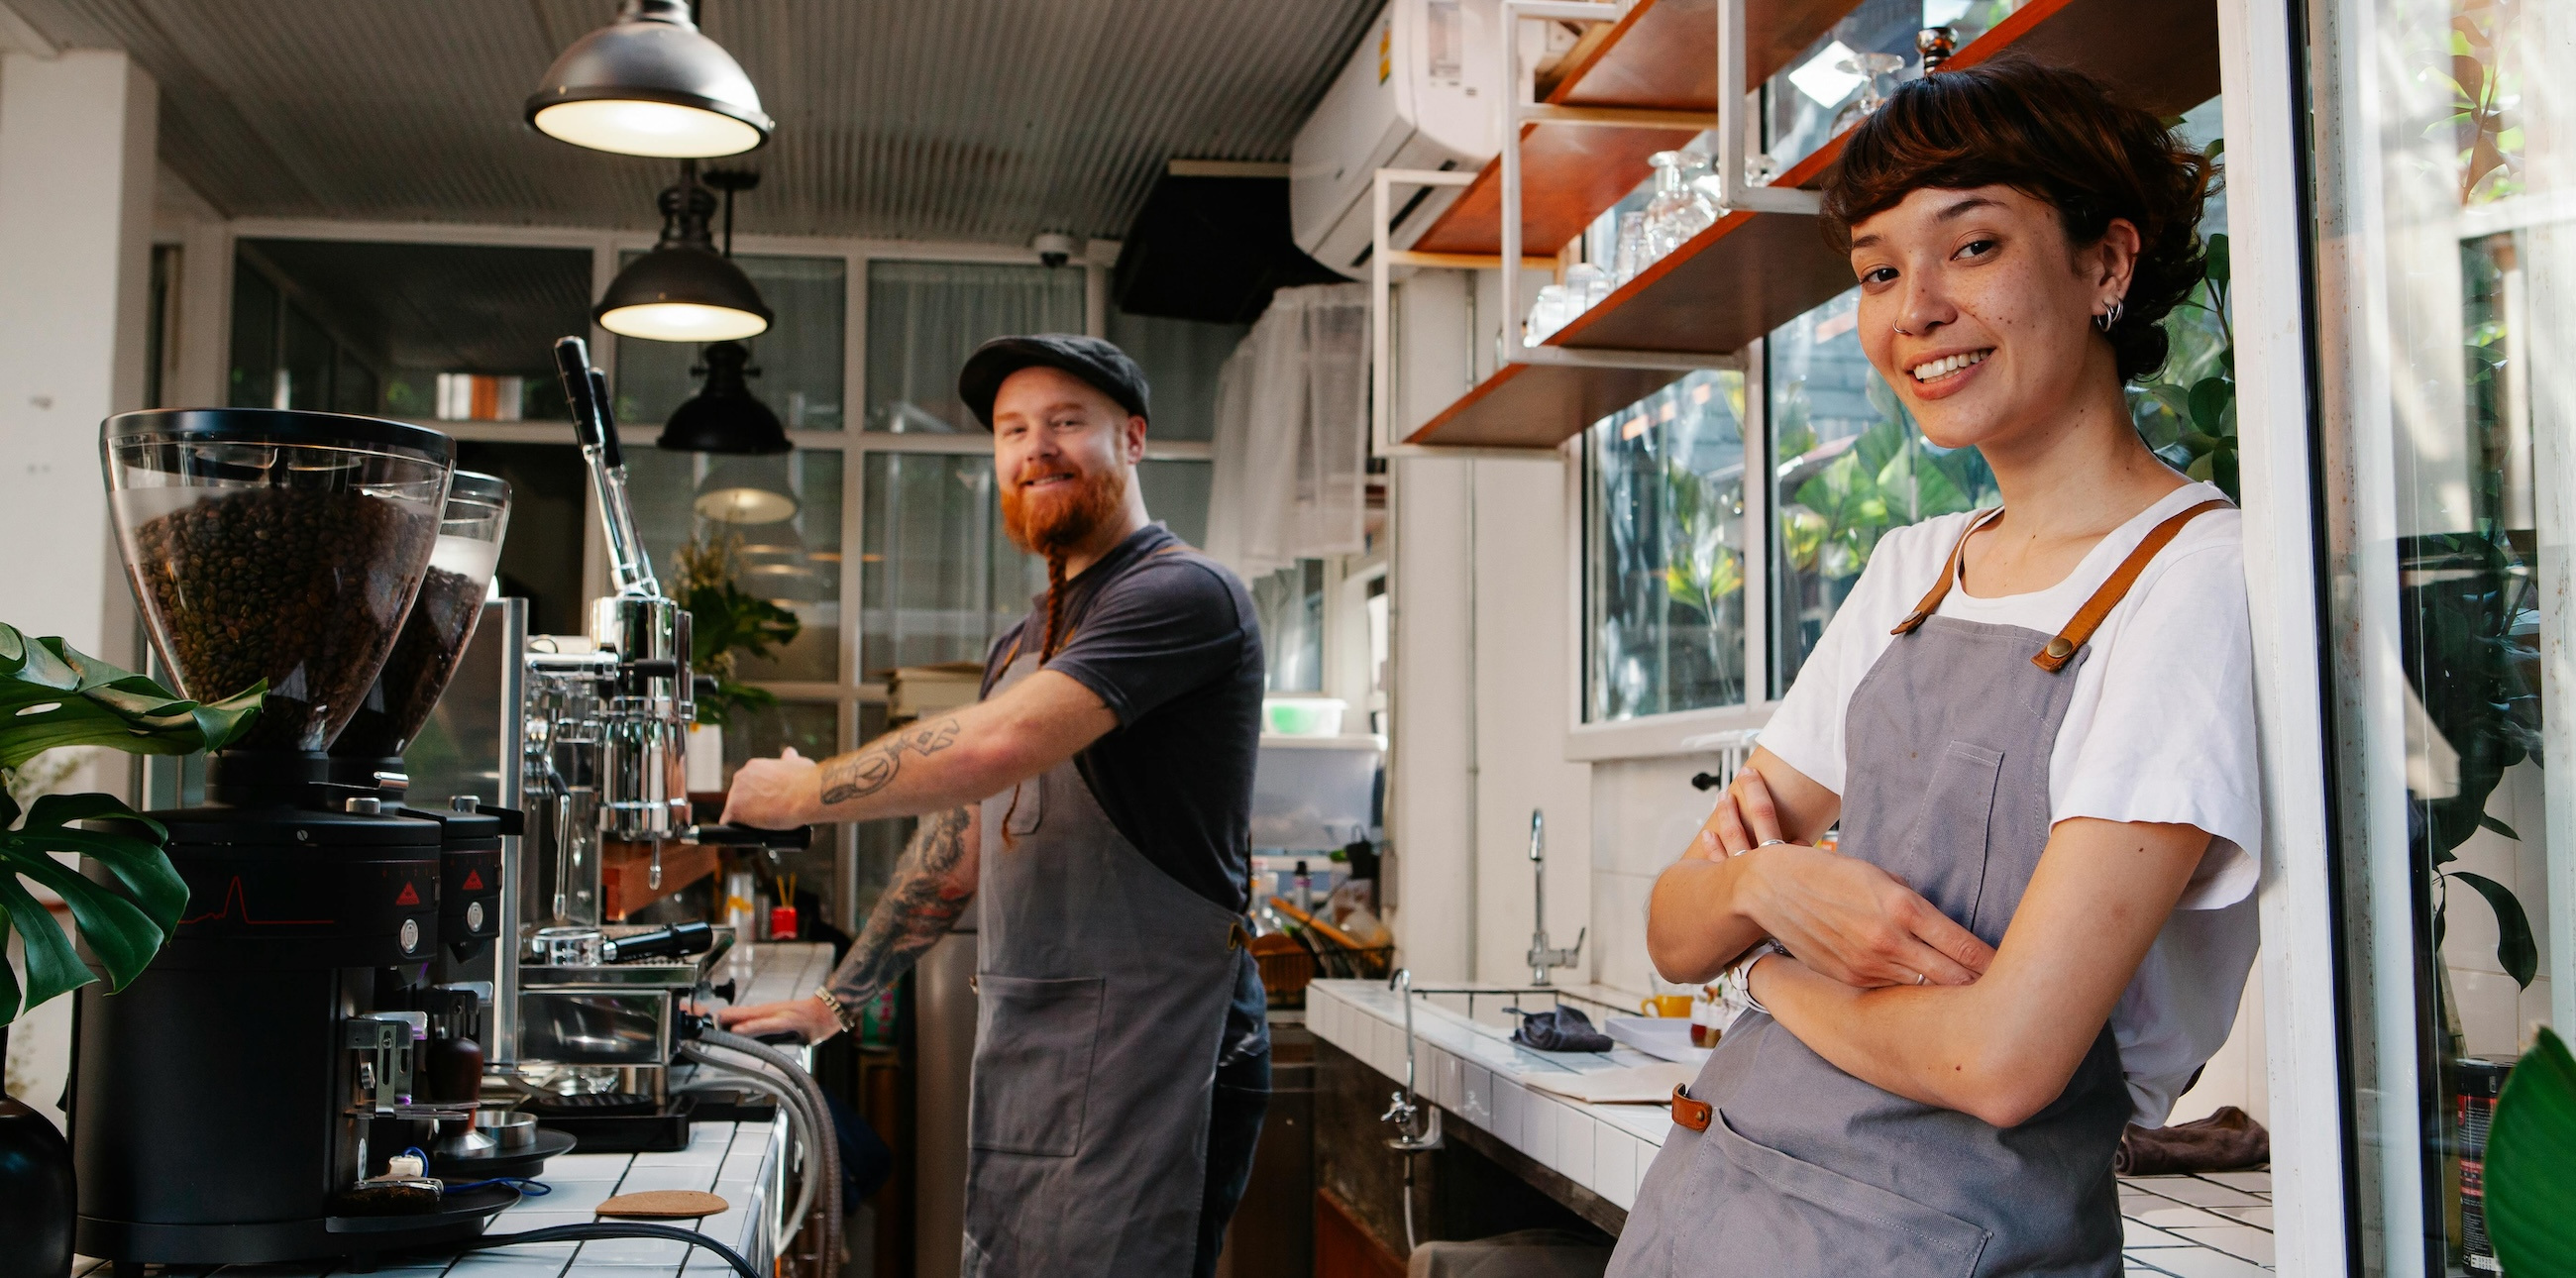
{"x": 798, "y": 362}
{"x": 769, "y": 525}
{"x": 1290, "y": 603}
{"x": 925, "y": 318}
{"x": 2447, "y": 256}
{"x": 938, "y": 579}
{"x": 1664, "y": 552}
{"x": 1848, "y": 465}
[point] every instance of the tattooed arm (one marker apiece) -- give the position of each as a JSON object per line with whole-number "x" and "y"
{"x": 936, "y": 763}
{"x": 932, "y": 885}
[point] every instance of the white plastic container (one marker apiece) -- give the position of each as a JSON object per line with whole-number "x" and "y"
{"x": 1313, "y": 793}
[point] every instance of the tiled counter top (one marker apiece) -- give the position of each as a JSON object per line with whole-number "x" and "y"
{"x": 1471, "y": 1068}
{"x": 2212, "y": 1226}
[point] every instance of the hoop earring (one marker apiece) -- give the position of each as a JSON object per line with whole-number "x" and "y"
{"x": 2111, "y": 316}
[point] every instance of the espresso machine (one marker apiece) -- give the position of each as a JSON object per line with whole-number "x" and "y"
{"x": 595, "y": 1008}
{"x": 244, "y": 1098}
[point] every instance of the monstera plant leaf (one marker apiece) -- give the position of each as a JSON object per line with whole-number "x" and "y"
{"x": 125, "y": 913}
{"x": 52, "y": 694}
{"x": 2531, "y": 1163}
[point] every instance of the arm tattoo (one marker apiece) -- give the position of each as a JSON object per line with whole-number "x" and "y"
{"x": 916, "y": 909}
{"x": 864, "y": 772}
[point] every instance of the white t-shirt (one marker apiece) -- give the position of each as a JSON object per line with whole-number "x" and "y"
{"x": 2161, "y": 729}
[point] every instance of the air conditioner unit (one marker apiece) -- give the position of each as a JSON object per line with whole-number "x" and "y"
{"x": 1419, "y": 93}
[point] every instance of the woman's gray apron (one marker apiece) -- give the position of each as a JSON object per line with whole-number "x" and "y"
{"x": 1103, "y": 987}
{"x": 1807, "y": 1172}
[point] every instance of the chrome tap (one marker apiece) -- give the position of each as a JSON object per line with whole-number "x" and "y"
{"x": 1414, "y": 1132}
{"x": 1541, "y": 958}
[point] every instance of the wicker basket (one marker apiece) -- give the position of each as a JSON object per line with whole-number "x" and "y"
{"x": 1288, "y": 964}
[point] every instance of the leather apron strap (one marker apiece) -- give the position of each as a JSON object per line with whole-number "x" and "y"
{"x": 2088, "y": 618}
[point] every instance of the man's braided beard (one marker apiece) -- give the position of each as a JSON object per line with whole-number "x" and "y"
{"x": 1054, "y": 522}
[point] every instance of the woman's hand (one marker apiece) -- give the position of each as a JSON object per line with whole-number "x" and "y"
{"x": 1841, "y": 916}
{"x": 807, "y": 1016}
{"x": 1850, "y": 920}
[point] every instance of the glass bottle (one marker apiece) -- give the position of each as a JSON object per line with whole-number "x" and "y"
{"x": 1678, "y": 210}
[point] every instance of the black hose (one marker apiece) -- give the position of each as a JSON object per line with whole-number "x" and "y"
{"x": 597, "y": 1231}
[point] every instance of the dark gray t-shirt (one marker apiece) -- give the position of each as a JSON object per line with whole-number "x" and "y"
{"x": 1169, "y": 641}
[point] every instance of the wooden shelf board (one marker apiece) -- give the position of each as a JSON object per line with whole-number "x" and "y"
{"x": 1752, "y": 272}
{"x": 1539, "y": 405}
{"x": 1662, "y": 55}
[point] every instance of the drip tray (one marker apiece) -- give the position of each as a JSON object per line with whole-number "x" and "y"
{"x": 616, "y": 1122}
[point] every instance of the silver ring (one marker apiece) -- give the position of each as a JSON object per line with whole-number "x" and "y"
{"x": 1919, "y": 978}
{"x": 1771, "y": 843}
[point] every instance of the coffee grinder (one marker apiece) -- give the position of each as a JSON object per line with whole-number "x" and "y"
{"x": 240, "y": 1100}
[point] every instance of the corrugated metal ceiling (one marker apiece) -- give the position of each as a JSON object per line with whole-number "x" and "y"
{"x": 965, "y": 120}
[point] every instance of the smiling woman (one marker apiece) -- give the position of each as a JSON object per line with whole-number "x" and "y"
{"x": 2029, "y": 723}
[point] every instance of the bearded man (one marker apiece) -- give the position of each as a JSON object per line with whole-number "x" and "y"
{"x": 1095, "y": 807}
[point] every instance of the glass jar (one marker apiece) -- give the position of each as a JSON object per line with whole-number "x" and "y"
{"x": 1679, "y": 209}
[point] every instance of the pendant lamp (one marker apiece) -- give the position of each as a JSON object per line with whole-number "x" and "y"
{"x": 724, "y": 417}
{"x": 684, "y": 290}
{"x": 650, "y": 83}
{"x": 746, "y": 490}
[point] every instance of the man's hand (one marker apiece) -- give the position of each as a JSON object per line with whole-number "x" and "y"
{"x": 773, "y": 794}
{"x": 807, "y": 1016}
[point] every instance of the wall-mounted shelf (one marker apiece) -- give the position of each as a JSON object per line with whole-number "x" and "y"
{"x": 1752, "y": 272}
{"x": 1661, "y": 56}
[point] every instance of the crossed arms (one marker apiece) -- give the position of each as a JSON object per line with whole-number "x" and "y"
{"x": 1995, "y": 1033}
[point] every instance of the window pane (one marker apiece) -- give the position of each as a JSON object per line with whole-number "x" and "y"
{"x": 1290, "y": 603}
{"x": 779, "y": 521}
{"x": 1664, "y": 552}
{"x": 378, "y": 324}
{"x": 1176, "y": 492}
{"x": 800, "y": 359}
{"x": 2445, "y": 259}
{"x": 1848, "y": 465}
{"x": 937, "y": 579}
{"x": 925, "y": 318}
{"x": 1180, "y": 358}
{"x": 550, "y": 522}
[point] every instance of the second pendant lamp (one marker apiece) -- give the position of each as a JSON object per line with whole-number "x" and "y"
{"x": 684, "y": 290}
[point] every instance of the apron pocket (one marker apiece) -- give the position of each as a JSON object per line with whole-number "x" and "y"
{"x": 1813, "y": 1221}
{"x": 1944, "y": 857}
{"x": 1033, "y": 1049}
{"x": 1027, "y": 807}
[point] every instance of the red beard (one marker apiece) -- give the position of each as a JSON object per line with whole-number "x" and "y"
{"x": 1056, "y": 519}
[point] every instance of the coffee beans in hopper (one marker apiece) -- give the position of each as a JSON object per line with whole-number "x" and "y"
{"x": 424, "y": 659}
{"x": 304, "y": 588}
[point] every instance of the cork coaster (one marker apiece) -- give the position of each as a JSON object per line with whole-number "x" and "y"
{"x": 665, "y": 1204}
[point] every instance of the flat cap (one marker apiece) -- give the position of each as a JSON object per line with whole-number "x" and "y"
{"x": 1103, "y": 366}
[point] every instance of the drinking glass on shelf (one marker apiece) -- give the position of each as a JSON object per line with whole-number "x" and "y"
{"x": 1586, "y": 286}
{"x": 1546, "y": 315}
{"x": 1679, "y": 210}
{"x": 1630, "y": 256}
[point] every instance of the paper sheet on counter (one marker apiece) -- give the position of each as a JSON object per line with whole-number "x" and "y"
{"x": 1632, "y": 1085}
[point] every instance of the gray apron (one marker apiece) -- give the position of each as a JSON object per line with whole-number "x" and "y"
{"x": 1804, "y": 1171}
{"x": 1103, "y": 989}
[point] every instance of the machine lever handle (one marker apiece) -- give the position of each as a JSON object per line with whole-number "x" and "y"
{"x": 668, "y": 942}
{"x": 745, "y": 836}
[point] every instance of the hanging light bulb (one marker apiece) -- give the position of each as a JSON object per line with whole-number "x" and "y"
{"x": 650, "y": 83}
{"x": 683, "y": 291}
{"x": 725, "y": 417}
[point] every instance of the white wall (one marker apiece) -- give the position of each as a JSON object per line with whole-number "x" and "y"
{"x": 77, "y": 134}
{"x": 1478, "y": 582}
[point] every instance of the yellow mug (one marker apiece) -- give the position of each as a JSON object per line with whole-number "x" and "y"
{"x": 1671, "y": 1005}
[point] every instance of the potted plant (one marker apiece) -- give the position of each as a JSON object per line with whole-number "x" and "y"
{"x": 52, "y": 695}
{"x": 727, "y": 622}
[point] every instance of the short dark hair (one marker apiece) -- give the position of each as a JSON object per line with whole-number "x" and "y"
{"x": 2053, "y": 135}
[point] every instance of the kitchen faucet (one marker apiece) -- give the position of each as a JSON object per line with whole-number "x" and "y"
{"x": 1541, "y": 958}
{"x": 1405, "y": 1109}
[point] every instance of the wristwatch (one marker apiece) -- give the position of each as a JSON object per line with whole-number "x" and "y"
{"x": 842, "y": 1012}
{"x": 1737, "y": 985}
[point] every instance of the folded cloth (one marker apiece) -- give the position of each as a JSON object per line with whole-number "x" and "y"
{"x": 2224, "y": 1141}
{"x": 1562, "y": 1030}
